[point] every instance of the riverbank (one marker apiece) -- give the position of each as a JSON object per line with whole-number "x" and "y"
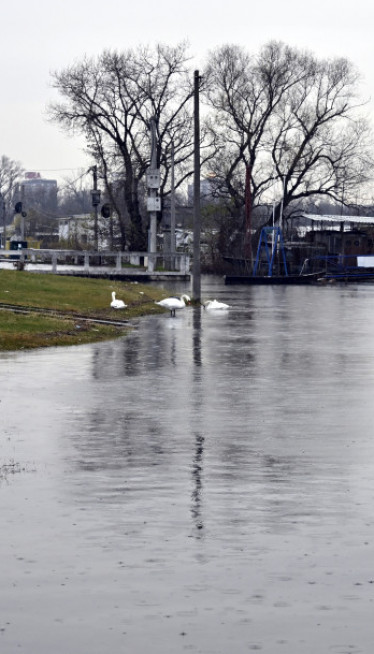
{"x": 49, "y": 310}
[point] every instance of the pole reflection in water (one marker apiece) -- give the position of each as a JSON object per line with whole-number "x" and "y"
{"x": 198, "y": 408}
{"x": 203, "y": 484}
{"x": 197, "y": 474}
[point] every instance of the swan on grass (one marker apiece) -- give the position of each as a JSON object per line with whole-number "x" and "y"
{"x": 117, "y": 304}
{"x": 173, "y": 303}
{"x": 215, "y": 305}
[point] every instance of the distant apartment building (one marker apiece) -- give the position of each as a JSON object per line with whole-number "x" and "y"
{"x": 207, "y": 188}
{"x": 38, "y": 193}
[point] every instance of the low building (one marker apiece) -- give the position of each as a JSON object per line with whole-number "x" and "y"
{"x": 79, "y": 231}
{"x": 77, "y": 228}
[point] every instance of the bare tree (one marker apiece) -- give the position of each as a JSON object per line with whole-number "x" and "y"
{"x": 10, "y": 175}
{"x": 75, "y": 195}
{"x": 111, "y": 100}
{"x": 289, "y": 119}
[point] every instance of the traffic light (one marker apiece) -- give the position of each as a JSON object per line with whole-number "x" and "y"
{"x": 106, "y": 210}
{"x": 18, "y": 207}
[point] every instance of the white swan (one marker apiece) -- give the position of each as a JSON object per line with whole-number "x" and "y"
{"x": 214, "y": 304}
{"x": 173, "y": 303}
{"x": 117, "y": 304}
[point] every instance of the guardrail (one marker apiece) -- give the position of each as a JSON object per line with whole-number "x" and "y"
{"x": 178, "y": 262}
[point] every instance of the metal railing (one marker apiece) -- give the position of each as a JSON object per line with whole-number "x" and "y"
{"x": 117, "y": 261}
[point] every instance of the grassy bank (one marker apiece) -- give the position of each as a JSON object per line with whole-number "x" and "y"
{"x": 70, "y": 300}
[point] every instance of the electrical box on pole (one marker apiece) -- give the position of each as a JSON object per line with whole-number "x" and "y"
{"x": 95, "y": 195}
{"x": 153, "y": 203}
{"x": 153, "y": 179}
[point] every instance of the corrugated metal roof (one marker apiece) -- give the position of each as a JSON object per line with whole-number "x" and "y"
{"x": 366, "y": 220}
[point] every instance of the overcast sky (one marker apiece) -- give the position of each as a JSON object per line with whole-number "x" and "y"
{"x": 37, "y": 38}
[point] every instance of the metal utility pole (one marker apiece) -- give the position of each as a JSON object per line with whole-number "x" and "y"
{"x": 281, "y": 219}
{"x": 282, "y": 202}
{"x": 169, "y": 227}
{"x": 153, "y": 201}
{"x": 2, "y": 205}
{"x": 196, "y": 268}
{"x": 172, "y": 210}
{"x": 95, "y": 194}
{"x": 248, "y": 218}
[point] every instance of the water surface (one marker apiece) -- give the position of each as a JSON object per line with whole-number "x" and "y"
{"x": 205, "y": 484}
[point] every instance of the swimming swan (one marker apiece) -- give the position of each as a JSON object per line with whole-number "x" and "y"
{"x": 213, "y": 304}
{"x": 117, "y": 304}
{"x": 173, "y": 303}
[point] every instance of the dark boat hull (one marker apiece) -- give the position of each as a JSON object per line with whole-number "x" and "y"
{"x": 279, "y": 280}
{"x": 301, "y": 279}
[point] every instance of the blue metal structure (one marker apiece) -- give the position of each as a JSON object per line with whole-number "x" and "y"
{"x": 278, "y": 238}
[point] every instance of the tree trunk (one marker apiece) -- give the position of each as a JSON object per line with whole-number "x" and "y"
{"x": 137, "y": 239}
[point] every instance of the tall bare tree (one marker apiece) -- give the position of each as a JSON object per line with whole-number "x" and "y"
{"x": 292, "y": 121}
{"x": 111, "y": 100}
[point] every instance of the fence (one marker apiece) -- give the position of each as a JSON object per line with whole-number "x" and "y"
{"x": 118, "y": 262}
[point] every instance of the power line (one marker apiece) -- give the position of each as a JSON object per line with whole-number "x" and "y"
{"x": 50, "y": 170}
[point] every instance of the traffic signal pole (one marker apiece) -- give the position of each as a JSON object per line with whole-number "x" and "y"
{"x": 22, "y": 213}
{"x": 95, "y": 193}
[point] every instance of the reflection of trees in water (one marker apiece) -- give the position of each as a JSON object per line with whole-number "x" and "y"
{"x": 154, "y": 348}
{"x": 218, "y": 414}
{"x": 182, "y": 367}
{"x": 118, "y": 358}
{"x": 118, "y": 438}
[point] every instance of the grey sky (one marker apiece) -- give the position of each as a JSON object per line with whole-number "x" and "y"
{"x": 39, "y": 37}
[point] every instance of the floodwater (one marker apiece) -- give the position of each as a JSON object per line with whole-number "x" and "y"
{"x": 205, "y": 484}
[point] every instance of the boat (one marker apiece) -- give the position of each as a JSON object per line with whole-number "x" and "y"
{"x": 348, "y": 255}
{"x": 269, "y": 255}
